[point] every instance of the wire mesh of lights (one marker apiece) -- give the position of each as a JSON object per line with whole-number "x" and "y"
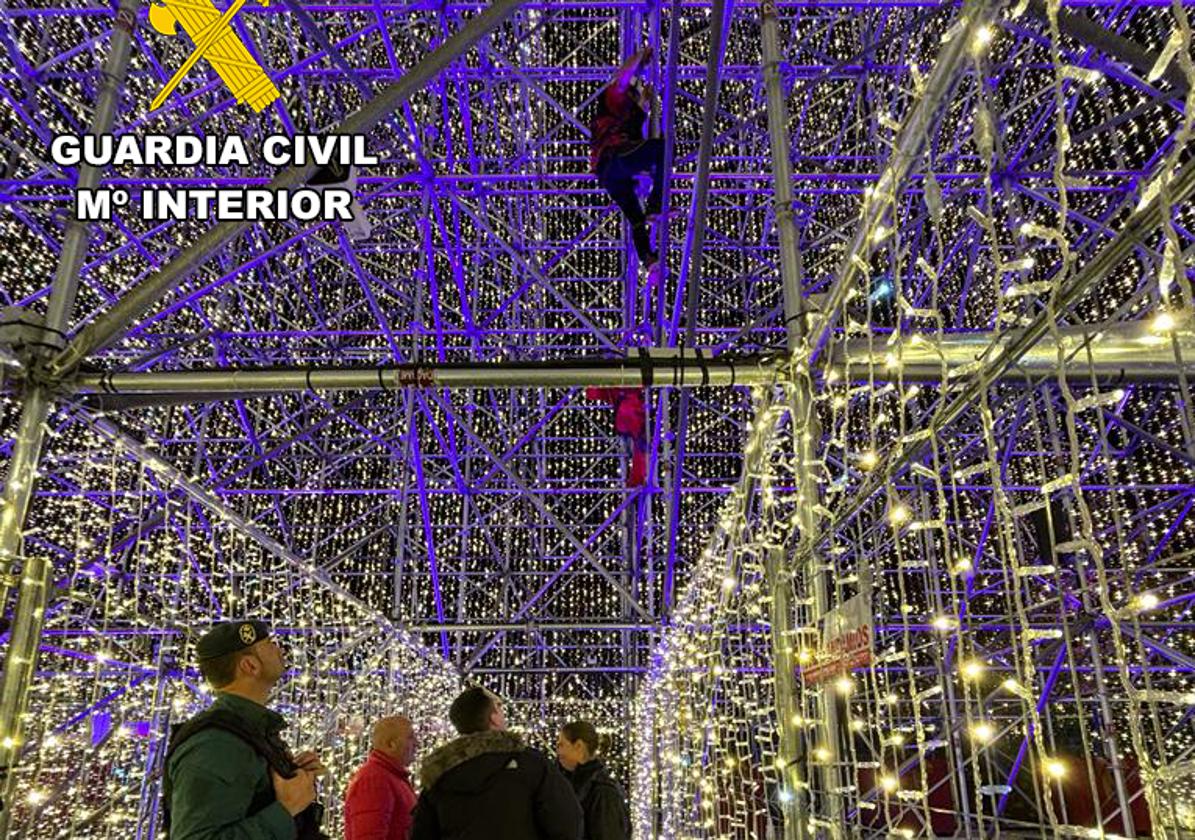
{"x": 116, "y": 668}
{"x": 1020, "y": 539}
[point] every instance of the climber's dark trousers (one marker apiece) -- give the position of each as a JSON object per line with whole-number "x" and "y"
{"x": 617, "y": 174}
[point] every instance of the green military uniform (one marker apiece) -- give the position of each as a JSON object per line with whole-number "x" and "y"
{"x": 217, "y": 783}
{"x": 221, "y": 787}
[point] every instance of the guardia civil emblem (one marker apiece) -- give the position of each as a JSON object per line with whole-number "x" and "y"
{"x": 215, "y": 40}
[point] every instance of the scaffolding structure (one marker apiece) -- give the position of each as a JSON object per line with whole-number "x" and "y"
{"x": 909, "y": 349}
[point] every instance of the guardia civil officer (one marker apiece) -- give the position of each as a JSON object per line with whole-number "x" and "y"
{"x": 228, "y": 774}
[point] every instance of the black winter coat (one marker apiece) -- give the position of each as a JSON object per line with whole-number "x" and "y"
{"x": 603, "y": 801}
{"x": 489, "y": 786}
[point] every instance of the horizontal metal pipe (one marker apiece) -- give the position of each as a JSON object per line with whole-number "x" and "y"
{"x": 454, "y": 178}
{"x": 592, "y": 487}
{"x": 1131, "y": 354}
{"x": 656, "y": 370}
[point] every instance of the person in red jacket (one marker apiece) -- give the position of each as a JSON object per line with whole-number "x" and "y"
{"x": 380, "y": 797}
{"x": 630, "y": 421}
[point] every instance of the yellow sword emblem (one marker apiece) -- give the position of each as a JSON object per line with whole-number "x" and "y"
{"x": 214, "y": 40}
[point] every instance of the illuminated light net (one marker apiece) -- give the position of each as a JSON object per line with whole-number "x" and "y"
{"x": 1029, "y": 673}
{"x": 117, "y": 662}
{"x": 1022, "y": 529}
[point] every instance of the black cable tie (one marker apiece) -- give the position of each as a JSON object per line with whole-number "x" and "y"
{"x": 646, "y": 368}
{"x": 307, "y": 376}
{"x": 705, "y": 368}
{"x": 381, "y": 380}
{"x": 106, "y": 383}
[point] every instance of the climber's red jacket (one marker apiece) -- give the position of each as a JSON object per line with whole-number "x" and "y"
{"x": 630, "y": 413}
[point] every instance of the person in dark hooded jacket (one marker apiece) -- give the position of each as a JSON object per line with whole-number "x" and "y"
{"x": 488, "y": 785}
{"x": 602, "y": 798}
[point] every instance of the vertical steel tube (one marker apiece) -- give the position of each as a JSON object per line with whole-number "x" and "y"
{"x": 29, "y": 613}
{"x": 804, "y": 434}
{"x": 18, "y": 489}
{"x": 690, "y": 276}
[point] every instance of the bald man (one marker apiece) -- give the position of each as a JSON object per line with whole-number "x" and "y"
{"x": 380, "y": 798}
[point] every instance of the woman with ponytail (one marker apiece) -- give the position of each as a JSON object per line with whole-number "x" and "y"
{"x": 606, "y": 815}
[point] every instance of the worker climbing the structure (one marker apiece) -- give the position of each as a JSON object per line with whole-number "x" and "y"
{"x": 630, "y": 422}
{"x": 619, "y": 153}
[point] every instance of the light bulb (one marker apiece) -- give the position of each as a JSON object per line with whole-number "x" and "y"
{"x": 983, "y": 37}
{"x": 1055, "y": 769}
{"x": 983, "y": 732}
{"x": 1164, "y": 322}
{"x": 972, "y": 669}
{"x": 889, "y": 783}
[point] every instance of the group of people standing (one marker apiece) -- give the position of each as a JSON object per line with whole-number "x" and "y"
{"x": 228, "y": 774}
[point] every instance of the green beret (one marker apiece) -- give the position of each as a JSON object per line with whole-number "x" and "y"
{"x": 229, "y": 637}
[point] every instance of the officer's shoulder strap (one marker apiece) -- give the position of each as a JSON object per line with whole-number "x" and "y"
{"x": 229, "y": 722}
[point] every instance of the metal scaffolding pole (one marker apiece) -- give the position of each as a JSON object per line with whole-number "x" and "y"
{"x": 1120, "y": 353}
{"x": 1087, "y": 31}
{"x": 537, "y": 627}
{"x": 29, "y": 613}
{"x": 1127, "y": 353}
{"x": 779, "y": 579}
{"x": 655, "y": 370}
{"x": 108, "y": 325}
{"x": 690, "y": 278}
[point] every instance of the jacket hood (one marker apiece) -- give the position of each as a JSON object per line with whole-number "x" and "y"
{"x": 466, "y": 748}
